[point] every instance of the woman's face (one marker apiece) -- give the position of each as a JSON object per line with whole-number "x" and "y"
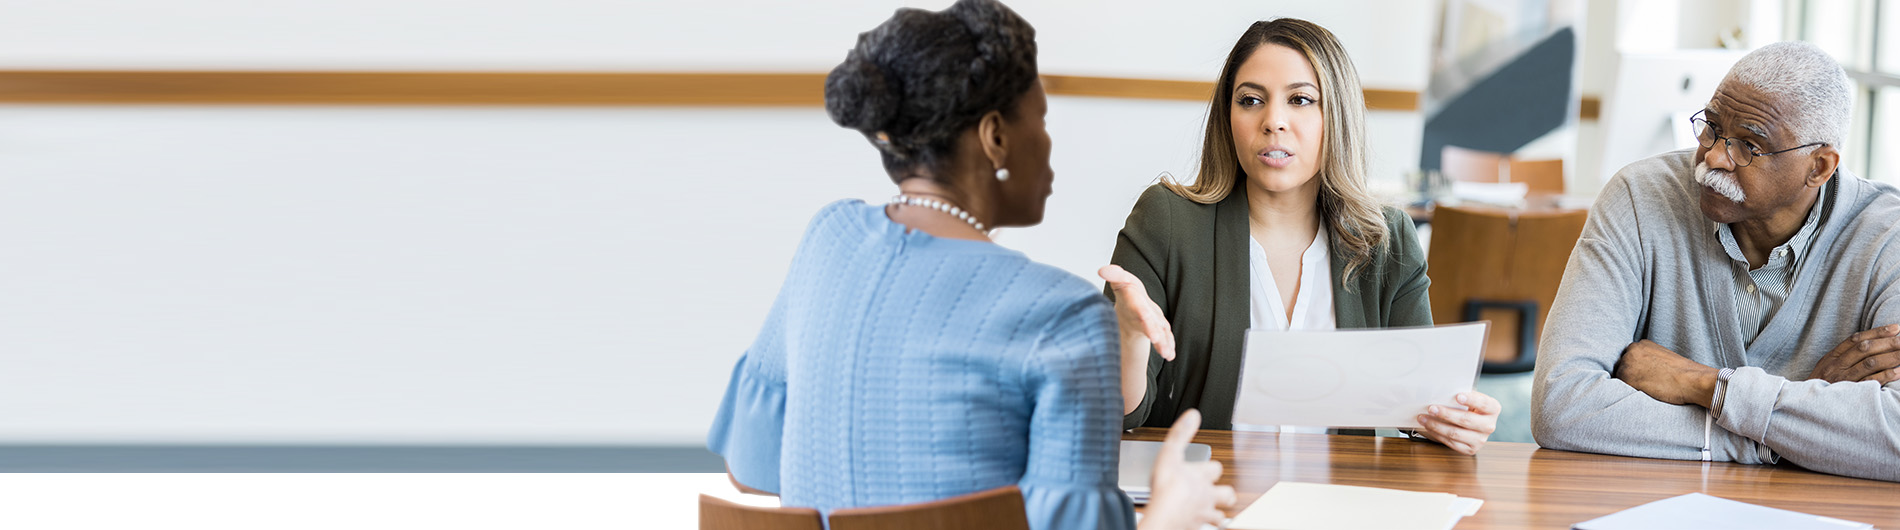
{"x": 1277, "y": 123}
{"x": 1027, "y": 190}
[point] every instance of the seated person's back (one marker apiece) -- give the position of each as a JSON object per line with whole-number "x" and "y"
{"x": 915, "y": 368}
{"x": 908, "y": 358}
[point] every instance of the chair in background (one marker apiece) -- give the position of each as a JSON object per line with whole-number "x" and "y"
{"x": 720, "y": 514}
{"x": 1503, "y": 266}
{"x": 1542, "y": 176}
{"x": 996, "y": 509}
{"x": 1471, "y": 165}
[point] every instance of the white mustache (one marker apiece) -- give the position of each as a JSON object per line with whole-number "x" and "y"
{"x": 1722, "y": 182}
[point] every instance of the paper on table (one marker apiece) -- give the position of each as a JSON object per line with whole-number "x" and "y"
{"x": 1491, "y": 192}
{"x": 1306, "y": 506}
{"x": 1696, "y": 510}
{"x": 1356, "y": 378}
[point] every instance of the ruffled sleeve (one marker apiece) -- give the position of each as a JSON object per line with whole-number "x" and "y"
{"x": 1056, "y": 506}
{"x": 1075, "y": 430}
{"x": 749, "y": 430}
{"x": 750, "y": 427}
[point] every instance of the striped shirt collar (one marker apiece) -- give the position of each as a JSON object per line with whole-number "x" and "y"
{"x": 1790, "y": 252}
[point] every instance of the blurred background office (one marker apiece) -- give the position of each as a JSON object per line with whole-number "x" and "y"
{"x": 433, "y": 235}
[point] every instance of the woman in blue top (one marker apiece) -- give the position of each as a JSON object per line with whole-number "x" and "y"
{"x": 907, "y": 358}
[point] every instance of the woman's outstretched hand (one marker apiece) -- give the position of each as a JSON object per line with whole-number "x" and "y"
{"x": 1142, "y": 325}
{"x": 1136, "y": 314}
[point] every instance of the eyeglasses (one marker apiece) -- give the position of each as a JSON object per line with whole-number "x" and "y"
{"x": 1705, "y": 134}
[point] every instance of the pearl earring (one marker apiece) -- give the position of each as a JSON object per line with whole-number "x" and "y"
{"x": 1002, "y": 175}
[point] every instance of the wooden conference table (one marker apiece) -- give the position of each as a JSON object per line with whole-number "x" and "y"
{"x": 1524, "y": 486}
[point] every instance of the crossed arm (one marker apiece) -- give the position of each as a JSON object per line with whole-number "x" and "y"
{"x": 1871, "y": 355}
{"x": 1600, "y": 387}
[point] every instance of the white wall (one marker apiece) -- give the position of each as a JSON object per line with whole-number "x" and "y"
{"x": 497, "y": 275}
{"x": 1596, "y": 77}
{"x": 1619, "y": 27}
{"x": 1138, "y": 38}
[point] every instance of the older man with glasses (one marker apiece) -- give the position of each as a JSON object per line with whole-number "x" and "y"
{"x": 1736, "y": 302}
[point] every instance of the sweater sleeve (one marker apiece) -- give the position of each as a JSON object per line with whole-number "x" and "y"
{"x": 1142, "y": 249}
{"x": 1575, "y": 403}
{"x": 1846, "y": 428}
{"x": 750, "y": 426}
{"x": 1074, "y": 444}
{"x": 749, "y": 429}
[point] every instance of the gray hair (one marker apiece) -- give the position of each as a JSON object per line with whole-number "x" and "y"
{"x": 1801, "y": 75}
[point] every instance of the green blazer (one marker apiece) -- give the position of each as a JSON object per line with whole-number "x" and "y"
{"x": 1193, "y": 259}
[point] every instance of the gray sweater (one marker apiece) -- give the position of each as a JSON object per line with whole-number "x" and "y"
{"x": 1650, "y": 267}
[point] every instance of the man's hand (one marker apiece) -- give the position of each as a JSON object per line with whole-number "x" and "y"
{"x": 1666, "y": 376}
{"x": 1872, "y": 355}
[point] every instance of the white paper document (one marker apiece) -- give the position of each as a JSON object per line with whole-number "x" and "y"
{"x": 1506, "y": 193}
{"x": 1356, "y": 378}
{"x": 1307, "y": 506}
{"x": 1696, "y": 510}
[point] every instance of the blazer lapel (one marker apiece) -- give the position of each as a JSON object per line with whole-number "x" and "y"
{"x": 1231, "y": 317}
{"x": 1349, "y": 307}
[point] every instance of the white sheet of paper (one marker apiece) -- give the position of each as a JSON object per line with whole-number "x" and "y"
{"x": 1307, "y": 506}
{"x": 1696, "y": 510}
{"x": 1491, "y": 192}
{"x": 1356, "y": 378}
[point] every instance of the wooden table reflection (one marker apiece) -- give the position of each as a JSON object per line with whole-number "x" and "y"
{"x": 1524, "y": 486}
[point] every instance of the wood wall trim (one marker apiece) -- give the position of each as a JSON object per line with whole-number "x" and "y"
{"x": 1588, "y": 108}
{"x": 1380, "y": 99}
{"x": 411, "y": 88}
{"x": 1118, "y": 87}
{"x": 527, "y": 88}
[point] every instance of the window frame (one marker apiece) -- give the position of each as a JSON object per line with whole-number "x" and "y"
{"x": 1864, "y": 70}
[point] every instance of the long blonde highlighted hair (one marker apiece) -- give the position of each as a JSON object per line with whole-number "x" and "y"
{"x": 1354, "y": 216}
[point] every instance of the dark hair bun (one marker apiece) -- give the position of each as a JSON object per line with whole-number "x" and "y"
{"x": 858, "y": 95}
{"x": 913, "y": 84}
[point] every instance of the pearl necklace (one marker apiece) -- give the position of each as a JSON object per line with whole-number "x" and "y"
{"x": 942, "y": 207}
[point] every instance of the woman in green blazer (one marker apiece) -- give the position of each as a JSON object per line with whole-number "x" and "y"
{"x": 1279, "y": 206}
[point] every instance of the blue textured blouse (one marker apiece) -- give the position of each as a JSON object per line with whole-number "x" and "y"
{"x": 897, "y": 367}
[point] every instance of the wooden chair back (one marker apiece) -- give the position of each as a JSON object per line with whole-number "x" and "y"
{"x": 1470, "y": 165}
{"x": 1504, "y": 266}
{"x": 996, "y": 509}
{"x": 720, "y": 514}
{"x": 1543, "y": 245}
{"x": 1542, "y": 176}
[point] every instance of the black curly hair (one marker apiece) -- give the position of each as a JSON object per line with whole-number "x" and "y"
{"x": 917, "y": 81}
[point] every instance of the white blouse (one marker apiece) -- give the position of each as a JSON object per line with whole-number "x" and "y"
{"x": 1312, "y": 311}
